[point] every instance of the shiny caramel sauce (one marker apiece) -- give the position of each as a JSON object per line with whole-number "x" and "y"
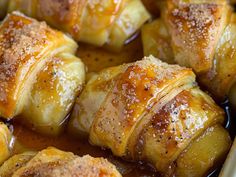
{"x": 95, "y": 59}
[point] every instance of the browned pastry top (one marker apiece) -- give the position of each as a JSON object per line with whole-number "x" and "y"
{"x": 195, "y": 29}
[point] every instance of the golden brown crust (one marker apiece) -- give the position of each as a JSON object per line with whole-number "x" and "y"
{"x": 25, "y": 46}
{"x": 142, "y": 85}
{"x": 16, "y": 50}
{"x": 65, "y": 14}
{"x": 202, "y": 34}
{"x": 52, "y": 162}
{"x": 98, "y": 20}
{"x": 168, "y": 130}
{"x": 78, "y": 167}
{"x": 104, "y": 22}
{"x": 222, "y": 75}
{"x": 150, "y": 111}
{"x": 53, "y": 94}
{"x": 91, "y": 98}
{"x": 196, "y": 28}
{"x": 15, "y": 162}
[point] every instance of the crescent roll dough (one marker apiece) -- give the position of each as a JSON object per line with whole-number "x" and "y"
{"x": 199, "y": 34}
{"x": 53, "y": 162}
{"x": 147, "y": 110}
{"x": 104, "y": 22}
{"x": 39, "y": 75}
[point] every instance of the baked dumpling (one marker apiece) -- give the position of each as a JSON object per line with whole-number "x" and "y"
{"x": 104, "y": 22}
{"x": 151, "y": 111}
{"x": 39, "y": 75}
{"x": 195, "y": 28}
{"x": 166, "y": 40}
{"x": 52, "y": 162}
{"x": 53, "y": 94}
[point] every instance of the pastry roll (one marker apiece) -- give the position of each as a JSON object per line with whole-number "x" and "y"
{"x": 88, "y": 103}
{"x": 218, "y": 76}
{"x": 157, "y": 41}
{"x": 39, "y": 75}
{"x": 52, "y": 162}
{"x": 96, "y": 22}
{"x": 195, "y": 28}
{"x": 14, "y": 163}
{"x": 53, "y": 94}
{"x": 220, "y": 79}
{"x": 5, "y": 142}
{"x": 148, "y": 111}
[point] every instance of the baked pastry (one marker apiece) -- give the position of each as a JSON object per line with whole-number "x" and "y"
{"x": 5, "y": 142}
{"x": 151, "y": 111}
{"x": 157, "y": 41}
{"x": 52, "y": 162}
{"x": 195, "y": 28}
{"x": 39, "y": 75}
{"x": 14, "y": 163}
{"x": 201, "y": 35}
{"x": 96, "y": 22}
{"x": 53, "y": 94}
